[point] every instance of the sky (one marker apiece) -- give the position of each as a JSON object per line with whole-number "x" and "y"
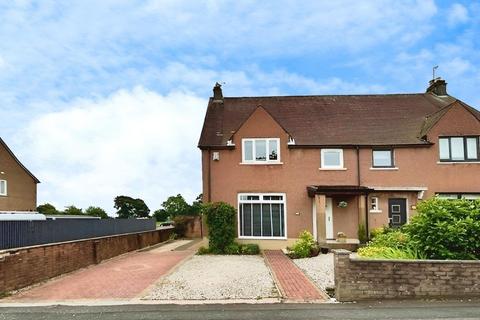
{"x": 107, "y": 98}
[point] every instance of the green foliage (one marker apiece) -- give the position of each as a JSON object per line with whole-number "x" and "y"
{"x": 250, "y": 249}
{"x": 203, "y": 250}
{"x": 96, "y": 212}
{"x": 73, "y": 211}
{"x": 390, "y": 253}
{"x": 447, "y": 229}
{"x": 233, "y": 248}
{"x": 303, "y": 247}
{"x": 181, "y": 224}
{"x": 221, "y": 225}
{"x": 47, "y": 209}
{"x": 128, "y": 207}
{"x": 377, "y": 231}
{"x": 177, "y": 206}
{"x": 396, "y": 239}
{"x": 362, "y": 233}
{"x": 161, "y": 215}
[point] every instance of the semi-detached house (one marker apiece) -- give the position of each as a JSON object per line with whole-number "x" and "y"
{"x": 335, "y": 163}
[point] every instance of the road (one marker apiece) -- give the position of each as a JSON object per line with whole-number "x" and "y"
{"x": 370, "y": 311}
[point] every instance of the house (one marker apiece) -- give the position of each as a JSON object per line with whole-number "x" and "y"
{"x": 336, "y": 163}
{"x": 18, "y": 186}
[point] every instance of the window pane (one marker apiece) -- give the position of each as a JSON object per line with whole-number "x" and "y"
{"x": 457, "y": 149}
{"x": 276, "y": 219}
{"x": 272, "y": 150}
{"x": 257, "y": 220}
{"x": 267, "y": 224}
{"x": 472, "y": 146}
{"x": 248, "y": 152}
{"x": 261, "y": 150}
{"x": 382, "y": 158}
{"x": 444, "y": 148}
{"x": 331, "y": 158}
{"x": 3, "y": 187}
{"x": 247, "y": 219}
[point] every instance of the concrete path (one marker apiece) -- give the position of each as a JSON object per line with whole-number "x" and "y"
{"x": 121, "y": 278}
{"x": 292, "y": 282}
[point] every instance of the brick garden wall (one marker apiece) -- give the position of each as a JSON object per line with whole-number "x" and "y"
{"x": 22, "y": 267}
{"x": 194, "y": 228}
{"x": 361, "y": 279}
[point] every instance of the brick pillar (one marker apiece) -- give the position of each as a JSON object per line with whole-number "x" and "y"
{"x": 341, "y": 273}
{"x": 321, "y": 227}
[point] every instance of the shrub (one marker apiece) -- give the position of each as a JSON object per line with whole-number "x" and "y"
{"x": 447, "y": 229}
{"x": 181, "y": 224}
{"x": 395, "y": 239}
{"x": 362, "y": 233}
{"x": 233, "y": 248}
{"x": 390, "y": 253}
{"x": 303, "y": 247}
{"x": 221, "y": 225}
{"x": 203, "y": 250}
{"x": 250, "y": 249}
{"x": 377, "y": 231}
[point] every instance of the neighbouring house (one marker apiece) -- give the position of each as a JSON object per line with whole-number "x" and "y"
{"x": 336, "y": 163}
{"x": 18, "y": 186}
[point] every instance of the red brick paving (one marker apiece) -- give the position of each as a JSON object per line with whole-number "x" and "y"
{"x": 123, "y": 277}
{"x": 292, "y": 282}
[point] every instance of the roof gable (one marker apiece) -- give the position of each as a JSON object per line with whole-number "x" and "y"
{"x": 2, "y": 143}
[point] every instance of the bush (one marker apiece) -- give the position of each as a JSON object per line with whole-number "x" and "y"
{"x": 395, "y": 239}
{"x": 362, "y": 233}
{"x": 203, "y": 250}
{"x": 233, "y": 248}
{"x": 304, "y": 246}
{"x": 447, "y": 229}
{"x": 221, "y": 225}
{"x": 377, "y": 231}
{"x": 181, "y": 224}
{"x": 250, "y": 249}
{"x": 390, "y": 253}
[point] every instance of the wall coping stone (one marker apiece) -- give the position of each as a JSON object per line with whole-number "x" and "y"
{"x": 358, "y": 259}
{"x": 341, "y": 252}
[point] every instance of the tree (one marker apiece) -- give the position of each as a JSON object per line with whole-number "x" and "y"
{"x": 176, "y": 206}
{"x": 160, "y": 215}
{"x": 72, "y": 210}
{"x": 128, "y": 207}
{"x": 96, "y": 212}
{"x": 47, "y": 208}
{"x": 197, "y": 205}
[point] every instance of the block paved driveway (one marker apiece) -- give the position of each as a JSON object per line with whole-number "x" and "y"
{"x": 123, "y": 277}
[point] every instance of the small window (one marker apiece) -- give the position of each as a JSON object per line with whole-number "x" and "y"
{"x": 382, "y": 158}
{"x": 261, "y": 150}
{"x": 458, "y": 149}
{"x": 395, "y": 208}
{"x": 332, "y": 158}
{"x": 3, "y": 187}
{"x": 374, "y": 204}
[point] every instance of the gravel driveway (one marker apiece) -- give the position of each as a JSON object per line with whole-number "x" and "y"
{"x": 319, "y": 269}
{"x": 217, "y": 278}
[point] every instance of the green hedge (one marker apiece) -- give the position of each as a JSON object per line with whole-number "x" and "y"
{"x": 221, "y": 226}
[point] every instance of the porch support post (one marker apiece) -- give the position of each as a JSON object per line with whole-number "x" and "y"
{"x": 362, "y": 207}
{"x": 320, "y": 208}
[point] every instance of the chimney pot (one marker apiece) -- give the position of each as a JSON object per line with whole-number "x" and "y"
{"x": 217, "y": 93}
{"x": 438, "y": 86}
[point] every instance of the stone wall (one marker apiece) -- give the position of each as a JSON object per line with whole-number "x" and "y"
{"x": 362, "y": 279}
{"x": 22, "y": 267}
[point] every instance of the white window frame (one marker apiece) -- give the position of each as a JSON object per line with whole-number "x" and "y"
{"x": 267, "y": 144}
{"x": 6, "y": 190}
{"x": 325, "y": 167}
{"x": 377, "y": 208}
{"x": 261, "y": 201}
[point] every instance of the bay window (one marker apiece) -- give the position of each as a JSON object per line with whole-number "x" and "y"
{"x": 261, "y": 215}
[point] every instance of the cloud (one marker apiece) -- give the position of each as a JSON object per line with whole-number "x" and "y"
{"x": 457, "y": 14}
{"x": 133, "y": 142}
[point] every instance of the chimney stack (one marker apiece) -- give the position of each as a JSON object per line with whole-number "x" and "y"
{"x": 217, "y": 93}
{"x": 438, "y": 87}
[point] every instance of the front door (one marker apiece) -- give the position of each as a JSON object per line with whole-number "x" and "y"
{"x": 329, "y": 218}
{"x": 397, "y": 212}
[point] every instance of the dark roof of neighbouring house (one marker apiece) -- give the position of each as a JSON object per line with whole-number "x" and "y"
{"x": 18, "y": 161}
{"x": 384, "y": 119}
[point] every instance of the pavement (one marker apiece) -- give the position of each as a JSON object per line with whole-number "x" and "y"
{"x": 293, "y": 284}
{"x": 122, "y": 278}
{"x": 364, "y": 310}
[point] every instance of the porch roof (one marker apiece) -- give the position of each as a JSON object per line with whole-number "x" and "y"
{"x": 337, "y": 190}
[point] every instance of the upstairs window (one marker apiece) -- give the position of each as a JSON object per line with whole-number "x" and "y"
{"x": 261, "y": 150}
{"x": 332, "y": 159}
{"x": 3, "y": 187}
{"x": 458, "y": 149}
{"x": 383, "y": 158}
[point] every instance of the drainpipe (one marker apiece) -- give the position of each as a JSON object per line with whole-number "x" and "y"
{"x": 359, "y": 182}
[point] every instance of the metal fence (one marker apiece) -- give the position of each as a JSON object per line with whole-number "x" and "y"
{"x": 14, "y": 234}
